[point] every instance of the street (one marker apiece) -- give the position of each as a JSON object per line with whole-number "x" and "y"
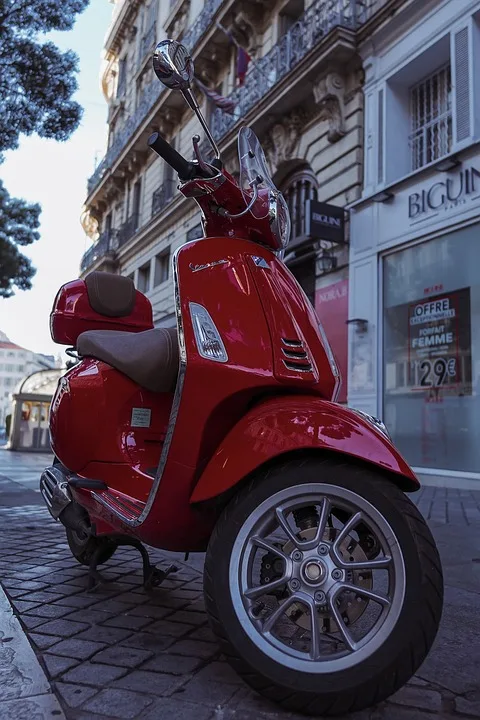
{"x": 120, "y": 652}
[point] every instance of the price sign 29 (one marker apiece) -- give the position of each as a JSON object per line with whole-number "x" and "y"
{"x": 435, "y": 373}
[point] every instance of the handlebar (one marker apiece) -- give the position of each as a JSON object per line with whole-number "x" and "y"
{"x": 184, "y": 168}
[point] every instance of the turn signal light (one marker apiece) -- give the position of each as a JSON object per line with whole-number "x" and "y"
{"x": 208, "y": 340}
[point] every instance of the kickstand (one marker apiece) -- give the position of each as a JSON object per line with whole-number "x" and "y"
{"x": 152, "y": 576}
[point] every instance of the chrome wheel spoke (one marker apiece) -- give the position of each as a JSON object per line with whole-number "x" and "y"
{"x": 322, "y": 522}
{"x": 314, "y": 629}
{"x": 270, "y": 547}
{"x": 381, "y": 563}
{"x": 344, "y": 632}
{"x": 255, "y": 592}
{"x": 283, "y": 522}
{"x": 363, "y": 592}
{"x": 277, "y": 614}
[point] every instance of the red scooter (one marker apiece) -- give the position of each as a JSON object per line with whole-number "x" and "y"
{"x": 322, "y": 580}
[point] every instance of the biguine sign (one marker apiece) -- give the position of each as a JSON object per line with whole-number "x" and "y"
{"x": 439, "y": 343}
{"x": 325, "y": 222}
{"x": 444, "y": 194}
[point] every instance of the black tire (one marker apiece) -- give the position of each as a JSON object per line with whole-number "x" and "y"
{"x": 389, "y": 666}
{"x": 82, "y": 547}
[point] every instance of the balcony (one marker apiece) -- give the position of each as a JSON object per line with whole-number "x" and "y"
{"x": 149, "y": 98}
{"x": 147, "y": 43}
{"x": 162, "y": 196}
{"x": 128, "y": 229}
{"x": 105, "y": 246}
{"x": 316, "y": 23}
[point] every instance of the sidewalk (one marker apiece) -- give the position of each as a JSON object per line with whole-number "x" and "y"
{"x": 123, "y": 653}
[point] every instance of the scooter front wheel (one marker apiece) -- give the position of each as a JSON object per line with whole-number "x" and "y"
{"x": 324, "y": 586}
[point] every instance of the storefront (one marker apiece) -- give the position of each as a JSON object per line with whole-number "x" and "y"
{"x": 414, "y": 316}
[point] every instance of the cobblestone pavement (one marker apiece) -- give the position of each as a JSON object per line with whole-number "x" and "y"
{"x": 120, "y": 652}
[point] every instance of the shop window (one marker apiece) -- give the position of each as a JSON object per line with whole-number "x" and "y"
{"x": 143, "y": 279}
{"x": 162, "y": 267}
{"x": 431, "y": 351}
{"x": 431, "y": 114}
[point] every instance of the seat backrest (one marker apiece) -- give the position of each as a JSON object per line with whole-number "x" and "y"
{"x": 109, "y": 294}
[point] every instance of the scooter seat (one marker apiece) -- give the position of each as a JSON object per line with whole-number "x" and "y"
{"x": 149, "y": 358}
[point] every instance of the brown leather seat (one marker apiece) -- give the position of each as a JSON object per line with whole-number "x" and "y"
{"x": 149, "y": 358}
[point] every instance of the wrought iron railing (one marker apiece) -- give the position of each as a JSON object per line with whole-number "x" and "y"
{"x": 311, "y": 28}
{"x": 106, "y": 243}
{"x": 128, "y": 229}
{"x": 162, "y": 196}
{"x": 318, "y": 20}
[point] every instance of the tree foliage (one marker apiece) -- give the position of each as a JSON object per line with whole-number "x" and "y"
{"x": 37, "y": 82}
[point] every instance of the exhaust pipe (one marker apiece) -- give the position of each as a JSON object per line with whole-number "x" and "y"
{"x": 55, "y": 490}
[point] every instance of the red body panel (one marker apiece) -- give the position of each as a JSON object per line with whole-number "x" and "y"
{"x": 72, "y": 314}
{"x": 254, "y": 306}
{"x": 283, "y": 425}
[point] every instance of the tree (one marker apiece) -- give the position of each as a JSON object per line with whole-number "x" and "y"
{"x": 37, "y": 82}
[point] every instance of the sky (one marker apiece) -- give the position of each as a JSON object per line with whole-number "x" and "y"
{"x": 55, "y": 175}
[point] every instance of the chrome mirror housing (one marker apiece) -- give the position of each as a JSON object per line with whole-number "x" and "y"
{"x": 173, "y": 65}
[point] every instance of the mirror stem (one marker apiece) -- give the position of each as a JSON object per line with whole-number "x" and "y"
{"x": 191, "y": 100}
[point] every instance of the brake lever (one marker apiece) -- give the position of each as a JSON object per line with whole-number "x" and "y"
{"x": 201, "y": 162}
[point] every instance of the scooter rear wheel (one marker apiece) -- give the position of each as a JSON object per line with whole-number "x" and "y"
{"x": 82, "y": 547}
{"x": 324, "y": 586}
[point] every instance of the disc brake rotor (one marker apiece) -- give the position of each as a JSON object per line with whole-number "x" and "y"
{"x": 350, "y": 605}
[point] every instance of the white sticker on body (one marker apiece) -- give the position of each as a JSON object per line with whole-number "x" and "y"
{"x": 141, "y": 417}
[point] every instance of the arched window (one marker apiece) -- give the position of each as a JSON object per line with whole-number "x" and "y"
{"x": 297, "y": 189}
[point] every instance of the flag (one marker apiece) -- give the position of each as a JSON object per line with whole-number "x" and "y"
{"x": 243, "y": 58}
{"x": 225, "y": 104}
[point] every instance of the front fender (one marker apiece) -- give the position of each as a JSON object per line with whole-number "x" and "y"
{"x": 282, "y": 425}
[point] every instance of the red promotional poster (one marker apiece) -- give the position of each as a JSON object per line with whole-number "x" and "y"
{"x": 331, "y": 305}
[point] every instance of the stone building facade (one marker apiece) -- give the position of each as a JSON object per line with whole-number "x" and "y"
{"x": 302, "y": 95}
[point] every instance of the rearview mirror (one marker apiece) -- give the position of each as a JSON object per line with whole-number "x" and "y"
{"x": 173, "y": 65}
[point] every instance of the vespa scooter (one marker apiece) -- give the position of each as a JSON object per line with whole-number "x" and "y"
{"x": 322, "y": 580}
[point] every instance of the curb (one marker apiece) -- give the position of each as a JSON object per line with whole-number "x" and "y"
{"x": 24, "y": 688}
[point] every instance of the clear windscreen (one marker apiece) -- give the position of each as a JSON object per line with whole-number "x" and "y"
{"x": 253, "y": 163}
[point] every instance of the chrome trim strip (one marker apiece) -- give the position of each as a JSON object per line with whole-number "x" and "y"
{"x": 174, "y": 411}
{"x": 292, "y": 343}
{"x": 295, "y": 368}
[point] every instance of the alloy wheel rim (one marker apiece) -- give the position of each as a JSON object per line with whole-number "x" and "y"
{"x": 326, "y": 572}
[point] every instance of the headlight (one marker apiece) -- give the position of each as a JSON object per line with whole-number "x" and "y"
{"x": 280, "y": 220}
{"x": 379, "y": 424}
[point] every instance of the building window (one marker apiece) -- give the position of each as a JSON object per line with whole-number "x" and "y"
{"x": 162, "y": 265}
{"x": 195, "y": 233}
{"x": 21, "y": 368}
{"x": 9, "y": 368}
{"x": 143, "y": 280}
{"x": 122, "y": 76}
{"x": 431, "y": 115}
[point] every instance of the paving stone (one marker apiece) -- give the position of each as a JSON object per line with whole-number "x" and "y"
{"x": 41, "y": 596}
{"x": 171, "y": 707}
{"x": 80, "y": 649}
{"x": 74, "y": 695}
{"x": 23, "y": 605}
{"x": 92, "y": 617}
{"x": 100, "y": 633}
{"x": 203, "y": 633}
{"x": 47, "y": 611}
{"x": 207, "y": 692}
{"x": 130, "y": 622}
{"x": 56, "y": 664}
{"x": 25, "y": 584}
{"x": 76, "y": 601}
{"x": 185, "y": 594}
{"x": 219, "y": 672}
{"x": 145, "y": 641}
{"x": 155, "y": 612}
{"x": 194, "y": 648}
{"x": 31, "y": 622}
{"x": 189, "y": 617}
{"x": 44, "y": 641}
{"x": 467, "y": 707}
{"x": 169, "y": 602}
{"x": 63, "y": 628}
{"x": 131, "y": 598}
{"x": 142, "y": 681}
{"x": 173, "y": 664}
{"x": 165, "y": 627}
{"x": 91, "y": 674}
{"x": 118, "y": 703}
{"x": 123, "y": 656}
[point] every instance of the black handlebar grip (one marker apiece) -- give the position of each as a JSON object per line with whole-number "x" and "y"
{"x": 170, "y": 155}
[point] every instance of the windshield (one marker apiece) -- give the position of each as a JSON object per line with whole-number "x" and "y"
{"x": 253, "y": 163}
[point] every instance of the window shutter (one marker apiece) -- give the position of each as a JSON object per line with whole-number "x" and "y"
{"x": 462, "y": 84}
{"x": 380, "y": 138}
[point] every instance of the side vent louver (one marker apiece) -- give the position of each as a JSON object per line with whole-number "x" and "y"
{"x": 295, "y": 356}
